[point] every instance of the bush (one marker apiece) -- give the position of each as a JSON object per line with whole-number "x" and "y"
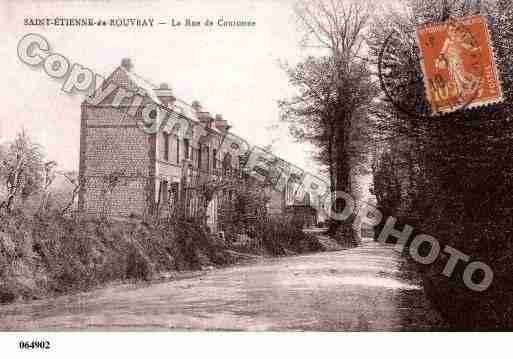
{"x": 346, "y": 235}
{"x": 48, "y": 255}
{"x": 280, "y": 236}
{"x": 139, "y": 265}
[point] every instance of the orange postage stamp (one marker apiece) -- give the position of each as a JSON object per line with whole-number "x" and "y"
{"x": 458, "y": 64}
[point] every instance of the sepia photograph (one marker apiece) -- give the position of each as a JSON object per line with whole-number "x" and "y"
{"x": 283, "y": 167}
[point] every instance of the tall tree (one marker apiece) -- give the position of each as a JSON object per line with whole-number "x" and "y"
{"x": 453, "y": 170}
{"x": 334, "y": 88}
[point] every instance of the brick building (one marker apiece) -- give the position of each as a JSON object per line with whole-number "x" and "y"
{"x": 125, "y": 171}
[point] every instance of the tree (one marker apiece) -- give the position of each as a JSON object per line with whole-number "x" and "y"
{"x": 21, "y": 169}
{"x": 49, "y": 174}
{"x": 453, "y": 170}
{"x": 334, "y": 88}
{"x": 73, "y": 178}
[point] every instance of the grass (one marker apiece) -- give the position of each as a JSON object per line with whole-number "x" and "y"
{"x": 50, "y": 255}
{"x": 54, "y": 255}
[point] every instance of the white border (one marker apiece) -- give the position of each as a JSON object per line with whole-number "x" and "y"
{"x": 260, "y": 345}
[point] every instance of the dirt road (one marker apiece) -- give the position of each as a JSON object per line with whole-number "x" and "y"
{"x": 364, "y": 288}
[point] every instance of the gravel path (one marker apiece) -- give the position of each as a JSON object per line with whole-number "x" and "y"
{"x": 364, "y": 288}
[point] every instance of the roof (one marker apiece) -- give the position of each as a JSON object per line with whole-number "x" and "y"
{"x": 143, "y": 84}
{"x": 179, "y": 105}
{"x": 135, "y": 82}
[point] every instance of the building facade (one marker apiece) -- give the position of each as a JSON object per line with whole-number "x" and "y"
{"x": 126, "y": 172}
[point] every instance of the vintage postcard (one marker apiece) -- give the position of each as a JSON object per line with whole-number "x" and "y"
{"x": 258, "y": 166}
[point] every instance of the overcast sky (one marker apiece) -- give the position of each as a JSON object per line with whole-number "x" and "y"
{"x": 232, "y": 71}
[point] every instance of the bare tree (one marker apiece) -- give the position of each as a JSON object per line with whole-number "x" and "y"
{"x": 48, "y": 178}
{"x": 21, "y": 169}
{"x": 73, "y": 179}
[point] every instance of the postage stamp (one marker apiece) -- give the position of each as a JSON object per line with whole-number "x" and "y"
{"x": 458, "y": 64}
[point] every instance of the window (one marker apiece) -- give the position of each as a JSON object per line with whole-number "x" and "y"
{"x": 164, "y": 192}
{"x": 199, "y": 156}
{"x": 227, "y": 163}
{"x": 186, "y": 148}
{"x": 177, "y": 150}
{"x": 214, "y": 159}
{"x": 207, "y": 156}
{"x": 173, "y": 193}
{"x": 166, "y": 146}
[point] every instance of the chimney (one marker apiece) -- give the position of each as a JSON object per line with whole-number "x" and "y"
{"x": 196, "y": 106}
{"x": 126, "y": 63}
{"x": 203, "y": 116}
{"x": 165, "y": 94}
{"x": 221, "y": 125}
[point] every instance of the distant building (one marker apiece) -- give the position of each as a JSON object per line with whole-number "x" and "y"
{"x": 126, "y": 172}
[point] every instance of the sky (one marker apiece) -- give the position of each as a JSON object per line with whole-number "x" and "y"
{"x": 231, "y": 71}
